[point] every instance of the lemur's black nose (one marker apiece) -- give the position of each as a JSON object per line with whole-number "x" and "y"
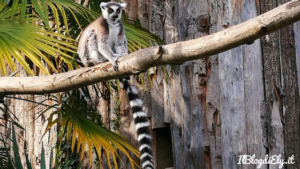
{"x": 115, "y": 16}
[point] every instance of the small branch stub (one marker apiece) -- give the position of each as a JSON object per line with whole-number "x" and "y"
{"x": 159, "y": 50}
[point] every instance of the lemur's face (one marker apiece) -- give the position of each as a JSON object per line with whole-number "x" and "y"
{"x": 112, "y": 11}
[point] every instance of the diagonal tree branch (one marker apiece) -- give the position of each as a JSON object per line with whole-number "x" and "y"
{"x": 177, "y": 53}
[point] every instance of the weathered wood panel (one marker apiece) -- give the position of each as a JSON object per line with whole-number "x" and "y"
{"x": 280, "y": 66}
{"x": 232, "y": 94}
{"x": 241, "y": 87}
{"x": 271, "y": 56}
{"x": 185, "y": 72}
{"x": 157, "y": 95}
{"x": 275, "y": 128}
{"x": 297, "y": 46}
{"x": 213, "y": 117}
{"x": 291, "y": 100}
{"x": 177, "y": 122}
{"x": 272, "y": 70}
{"x": 253, "y": 88}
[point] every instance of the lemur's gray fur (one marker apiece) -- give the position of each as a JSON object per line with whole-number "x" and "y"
{"x": 108, "y": 33}
{"x": 103, "y": 40}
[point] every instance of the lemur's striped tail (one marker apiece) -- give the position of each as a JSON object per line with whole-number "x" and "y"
{"x": 142, "y": 125}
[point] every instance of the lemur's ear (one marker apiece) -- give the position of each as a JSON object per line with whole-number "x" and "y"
{"x": 123, "y": 5}
{"x": 103, "y": 5}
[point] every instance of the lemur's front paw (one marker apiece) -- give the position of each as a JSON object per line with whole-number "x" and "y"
{"x": 116, "y": 67}
{"x": 115, "y": 64}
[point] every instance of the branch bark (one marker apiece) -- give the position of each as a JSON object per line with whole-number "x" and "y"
{"x": 177, "y": 53}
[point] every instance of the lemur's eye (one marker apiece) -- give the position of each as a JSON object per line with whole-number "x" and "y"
{"x": 118, "y": 10}
{"x": 110, "y": 10}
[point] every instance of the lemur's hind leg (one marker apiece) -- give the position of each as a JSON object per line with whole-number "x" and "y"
{"x": 93, "y": 56}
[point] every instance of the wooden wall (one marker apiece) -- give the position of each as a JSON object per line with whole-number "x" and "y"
{"x": 242, "y": 101}
{"x": 225, "y": 105}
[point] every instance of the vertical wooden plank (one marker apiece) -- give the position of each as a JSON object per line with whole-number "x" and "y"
{"x": 192, "y": 23}
{"x": 177, "y": 124}
{"x": 156, "y": 25}
{"x": 200, "y": 146}
{"x": 170, "y": 36}
{"x": 103, "y": 104}
{"x": 232, "y": 106}
{"x": 143, "y": 13}
{"x": 185, "y": 72}
{"x": 18, "y": 107}
{"x": 272, "y": 76}
{"x": 167, "y": 103}
{"x": 40, "y": 126}
{"x": 29, "y": 129}
{"x": 113, "y": 109}
{"x": 145, "y": 91}
{"x": 127, "y": 128}
{"x": 156, "y": 18}
{"x": 170, "y": 26}
{"x": 213, "y": 117}
{"x": 253, "y": 88}
{"x": 275, "y": 129}
{"x": 157, "y": 94}
{"x": 271, "y": 54}
{"x": 131, "y": 8}
{"x": 182, "y": 99}
{"x": 297, "y": 46}
{"x": 291, "y": 103}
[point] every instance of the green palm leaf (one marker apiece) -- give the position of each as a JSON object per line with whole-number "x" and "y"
{"x": 19, "y": 37}
{"x": 85, "y": 126}
{"x": 30, "y": 40}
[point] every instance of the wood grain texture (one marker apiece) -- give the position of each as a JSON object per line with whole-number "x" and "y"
{"x": 241, "y": 87}
{"x": 232, "y": 95}
{"x": 157, "y": 99}
{"x": 253, "y": 88}
{"x": 275, "y": 130}
{"x": 297, "y": 46}
{"x": 213, "y": 117}
{"x": 205, "y": 133}
{"x": 177, "y": 123}
{"x": 176, "y": 53}
{"x": 291, "y": 102}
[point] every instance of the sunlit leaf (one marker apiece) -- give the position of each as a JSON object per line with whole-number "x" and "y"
{"x": 87, "y": 129}
{"x": 23, "y": 9}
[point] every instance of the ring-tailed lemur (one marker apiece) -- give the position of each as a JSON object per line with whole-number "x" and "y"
{"x": 103, "y": 40}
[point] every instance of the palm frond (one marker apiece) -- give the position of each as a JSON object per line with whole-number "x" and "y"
{"x": 86, "y": 128}
{"x": 30, "y": 40}
{"x": 18, "y": 40}
{"x": 69, "y": 12}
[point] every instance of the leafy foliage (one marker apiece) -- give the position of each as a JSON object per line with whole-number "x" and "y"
{"x": 14, "y": 162}
{"x": 66, "y": 158}
{"x": 85, "y": 125}
{"x": 24, "y": 34}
